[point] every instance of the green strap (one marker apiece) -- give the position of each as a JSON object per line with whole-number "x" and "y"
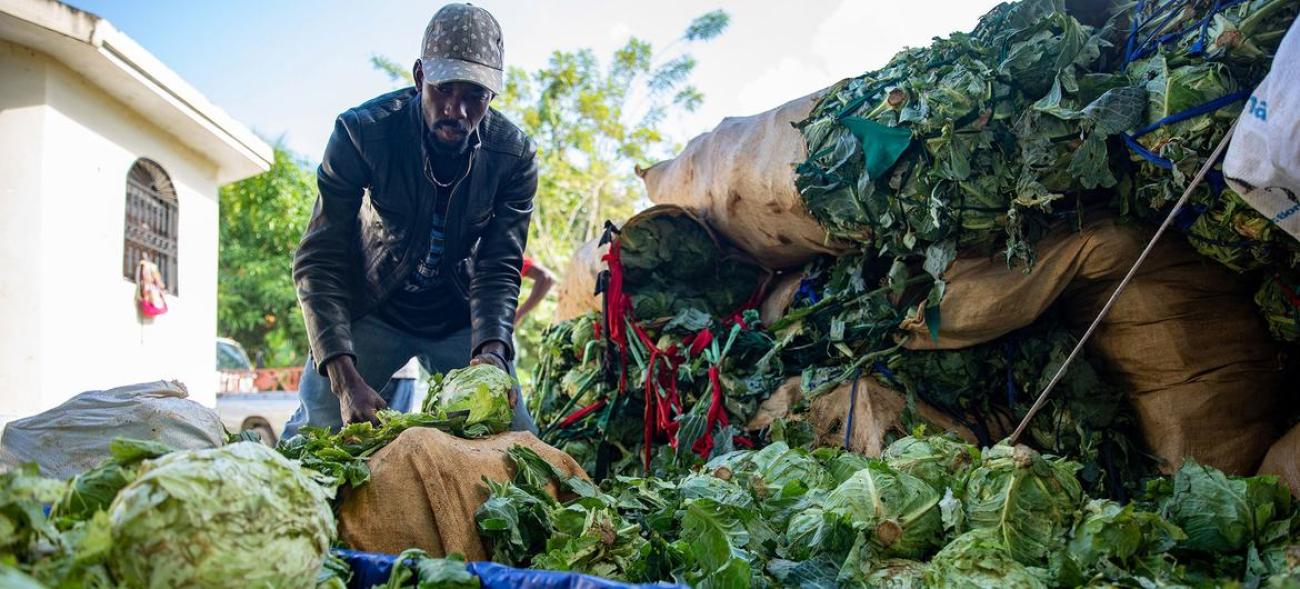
{"x": 881, "y": 145}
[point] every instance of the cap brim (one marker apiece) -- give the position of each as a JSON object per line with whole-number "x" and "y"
{"x": 441, "y": 70}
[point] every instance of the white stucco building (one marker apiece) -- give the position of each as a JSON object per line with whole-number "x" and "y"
{"x": 89, "y": 122}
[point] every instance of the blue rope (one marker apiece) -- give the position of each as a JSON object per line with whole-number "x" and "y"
{"x": 853, "y": 402}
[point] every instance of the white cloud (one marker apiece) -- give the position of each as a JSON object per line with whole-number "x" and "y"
{"x": 619, "y": 32}
{"x": 789, "y": 79}
{"x": 859, "y": 36}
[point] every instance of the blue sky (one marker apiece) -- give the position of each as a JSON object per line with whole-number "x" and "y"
{"x": 286, "y": 69}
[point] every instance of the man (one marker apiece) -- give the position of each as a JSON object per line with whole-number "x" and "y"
{"x": 416, "y": 240}
{"x": 543, "y": 279}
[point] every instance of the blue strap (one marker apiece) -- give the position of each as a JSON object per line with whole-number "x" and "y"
{"x": 1195, "y": 111}
{"x": 1215, "y": 177}
{"x": 853, "y": 402}
{"x": 888, "y": 374}
{"x": 1011, "y": 377}
{"x": 1133, "y": 31}
{"x": 807, "y": 291}
{"x": 1169, "y": 10}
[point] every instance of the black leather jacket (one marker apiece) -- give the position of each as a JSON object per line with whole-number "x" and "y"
{"x": 372, "y": 221}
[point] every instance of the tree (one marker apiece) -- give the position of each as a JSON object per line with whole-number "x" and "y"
{"x": 592, "y": 123}
{"x": 262, "y": 219}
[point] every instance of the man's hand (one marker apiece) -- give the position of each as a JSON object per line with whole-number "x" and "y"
{"x": 494, "y": 353}
{"x": 357, "y": 401}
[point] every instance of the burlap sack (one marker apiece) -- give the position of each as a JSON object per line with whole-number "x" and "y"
{"x": 740, "y": 176}
{"x": 1184, "y": 339}
{"x": 876, "y": 415}
{"x": 1283, "y": 460}
{"x": 577, "y": 293}
{"x": 780, "y": 294}
{"x": 424, "y": 488}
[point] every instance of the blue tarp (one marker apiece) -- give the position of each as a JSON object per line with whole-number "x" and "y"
{"x": 370, "y": 569}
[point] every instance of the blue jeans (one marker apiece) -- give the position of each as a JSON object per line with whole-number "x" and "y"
{"x": 403, "y": 392}
{"x": 380, "y": 350}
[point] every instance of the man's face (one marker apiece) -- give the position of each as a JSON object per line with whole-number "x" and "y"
{"x": 452, "y": 110}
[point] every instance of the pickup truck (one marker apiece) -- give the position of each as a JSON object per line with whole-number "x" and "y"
{"x": 261, "y": 400}
{"x": 262, "y": 412}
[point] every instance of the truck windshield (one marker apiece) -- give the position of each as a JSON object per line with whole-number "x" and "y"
{"x": 230, "y": 356}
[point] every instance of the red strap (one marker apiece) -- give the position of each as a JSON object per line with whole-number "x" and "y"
{"x": 581, "y": 413}
{"x": 649, "y": 423}
{"x": 619, "y": 304}
{"x": 1286, "y": 290}
{"x": 743, "y": 441}
{"x": 701, "y": 341}
{"x": 527, "y": 265}
{"x": 717, "y": 415}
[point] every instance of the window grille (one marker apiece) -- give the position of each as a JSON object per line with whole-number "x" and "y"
{"x": 151, "y": 222}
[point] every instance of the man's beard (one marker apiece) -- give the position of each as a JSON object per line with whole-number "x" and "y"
{"x": 441, "y": 147}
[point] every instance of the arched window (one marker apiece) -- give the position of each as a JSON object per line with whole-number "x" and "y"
{"x": 151, "y": 222}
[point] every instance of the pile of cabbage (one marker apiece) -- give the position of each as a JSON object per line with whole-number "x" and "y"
{"x": 931, "y": 512}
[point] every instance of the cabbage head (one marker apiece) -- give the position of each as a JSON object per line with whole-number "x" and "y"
{"x": 768, "y": 471}
{"x": 844, "y": 464}
{"x": 816, "y": 531}
{"x": 896, "y": 574}
{"x": 482, "y": 389}
{"x": 778, "y": 465}
{"x": 978, "y": 560}
{"x": 237, "y": 516}
{"x": 1029, "y": 501}
{"x": 899, "y": 513}
{"x": 941, "y": 461}
{"x": 1119, "y": 536}
{"x": 1221, "y": 513}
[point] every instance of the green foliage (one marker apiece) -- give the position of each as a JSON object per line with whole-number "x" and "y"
{"x": 341, "y": 456}
{"x": 1120, "y": 540}
{"x": 262, "y": 219}
{"x": 415, "y": 568}
{"x": 95, "y": 489}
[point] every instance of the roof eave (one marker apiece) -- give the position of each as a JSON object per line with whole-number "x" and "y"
{"x": 114, "y": 62}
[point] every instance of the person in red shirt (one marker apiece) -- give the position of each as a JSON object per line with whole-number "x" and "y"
{"x": 543, "y": 279}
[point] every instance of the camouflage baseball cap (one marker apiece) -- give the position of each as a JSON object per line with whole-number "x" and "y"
{"x": 463, "y": 44}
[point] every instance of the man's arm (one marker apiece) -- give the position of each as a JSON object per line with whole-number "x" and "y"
{"x": 543, "y": 280}
{"x": 326, "y": 268}
{"x": 494, "y": 287}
